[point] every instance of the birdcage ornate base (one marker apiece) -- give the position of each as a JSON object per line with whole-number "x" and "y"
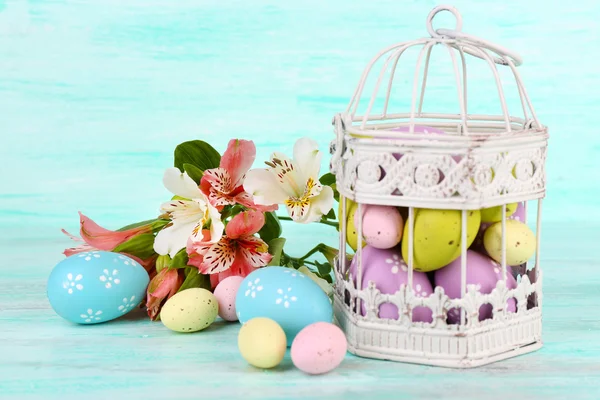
{"x": 467, "y": 349}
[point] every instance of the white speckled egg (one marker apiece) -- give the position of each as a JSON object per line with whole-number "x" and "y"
{"x": 96, "y": 286}
{"x": 190, "y": 310}
{"x": 225, "y": 293}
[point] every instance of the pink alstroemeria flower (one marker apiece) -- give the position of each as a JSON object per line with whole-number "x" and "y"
{"x": 164, "y": 285}
{"x": 238, "y": 253}
{"x": 224, "y": 185}
{"x": 95, "y": 237}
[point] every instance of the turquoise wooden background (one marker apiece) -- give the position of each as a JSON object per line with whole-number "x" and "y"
{"x": 94, "y": 95}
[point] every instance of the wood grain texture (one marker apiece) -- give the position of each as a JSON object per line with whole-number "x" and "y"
{"x": 94, "y": 95}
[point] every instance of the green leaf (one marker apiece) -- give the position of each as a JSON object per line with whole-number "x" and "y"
{"x": 159, "y": 224}
{"x": 180, "y": 260}
{"x": 324, "y": 270}
{"x": 330, "y": 215}
{"x": 194, "y": 280}
{"x": 197, "y": 153}
{"x": 275, "y": 249}
{"x": 328, "y": 252}
{"x": 194, "y": 172}
{"x": 327, "y": 179}
{"x": 141, "y": 246}
{"x": 271, "y": 228}
{"x": 336, "y": 194}
{"x": 137, "y": 224}
{"x": 162, "y": 261}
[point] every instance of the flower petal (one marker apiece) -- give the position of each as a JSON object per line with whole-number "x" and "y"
{"x": 181, "y": 184}
{"x": 104, "y": 239}
{"x": 219, "y": 180}
{"x": 184, "y": 211}
{"x": 319, "y": 206}
{"x": 173, "y": 238}
{"x": 298, "y": 208}
{"x": 307, "y": 158}
{"x": 164, "y": 285}
{"x": 79, "y": 249}
{"x": 263, "y": 187}
{"x": 287, "y": 174}
{"x": 245, "y": 199}
{"x": 219, "y": 257}
{"x": 245, "y": 224}
{"x": 216, "y": 225}
{"x": 238, "y": 159}
{"x": 253, "y": 252}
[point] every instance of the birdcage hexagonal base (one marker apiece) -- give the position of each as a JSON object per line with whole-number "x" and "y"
{"x": 466, "y": 349}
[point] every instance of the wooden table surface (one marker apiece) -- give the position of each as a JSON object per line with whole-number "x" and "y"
{"x": 94, "y": 95}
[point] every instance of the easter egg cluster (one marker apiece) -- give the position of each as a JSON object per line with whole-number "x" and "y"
{"x": 278, "y": 307}
{"x": 437, "y": 247}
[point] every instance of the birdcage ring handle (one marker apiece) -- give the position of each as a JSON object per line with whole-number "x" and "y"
{"x": 468, "y": 39}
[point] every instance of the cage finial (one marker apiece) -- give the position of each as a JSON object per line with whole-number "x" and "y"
{"x": 437, "y": 10}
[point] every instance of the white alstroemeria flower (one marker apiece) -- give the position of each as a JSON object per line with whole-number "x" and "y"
{"x": 293, "y": 183}
{"x": 188, "y": 215}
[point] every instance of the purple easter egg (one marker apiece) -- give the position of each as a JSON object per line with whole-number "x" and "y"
{"x": 519, "y": 214}
{"x": 423, "y": 129}
{"x": 382, "y": 226}
{"x": 387, "y": 269}
{"x": 483, "y": 272}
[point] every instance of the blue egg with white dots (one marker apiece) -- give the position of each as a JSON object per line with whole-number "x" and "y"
{"x": 96, "y": 286}
{"x": 286, "y": 296}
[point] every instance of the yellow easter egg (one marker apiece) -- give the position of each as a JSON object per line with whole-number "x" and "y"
{"x": 494, "y": 214}
{"x": 351, "y": 231}
{"x": 437, "y": 237}
{"x": 262, "y": 342}
{"x": 190, "y": 310}
{"x": 520, "y": 242}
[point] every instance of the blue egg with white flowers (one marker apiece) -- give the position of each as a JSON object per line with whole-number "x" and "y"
{"x": 96, "y": 286}
{"x": 285, "y": 295}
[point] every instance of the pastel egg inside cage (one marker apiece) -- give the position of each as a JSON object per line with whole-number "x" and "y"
{"x": 440, "y": 162}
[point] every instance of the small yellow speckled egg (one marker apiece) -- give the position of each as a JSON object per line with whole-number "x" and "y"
{"x": 190, "y": 310}
{"x": 494, "y": 214}
{"x": 262, "y": 342}
{"x": 520, "y": 242}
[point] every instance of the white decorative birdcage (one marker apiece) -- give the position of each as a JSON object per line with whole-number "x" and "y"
{"x": 471, "y": 162}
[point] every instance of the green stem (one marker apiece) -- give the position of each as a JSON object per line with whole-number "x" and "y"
{"x": 324, "y": 222}
{"x": 310, "y": 263}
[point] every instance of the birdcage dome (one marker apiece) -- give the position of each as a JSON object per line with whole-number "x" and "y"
{"x": 429, "y": 158}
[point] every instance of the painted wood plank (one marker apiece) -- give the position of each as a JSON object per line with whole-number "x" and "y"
{"x": 94, "y": 95}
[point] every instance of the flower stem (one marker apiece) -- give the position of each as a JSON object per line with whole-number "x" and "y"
{"x": 323, "y": 221}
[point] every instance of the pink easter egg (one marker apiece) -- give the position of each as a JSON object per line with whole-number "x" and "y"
{"x": 382, "y": 226}
{"x": 319, "y": 348}
{"x": 225, "y": 293}
{"x": 483, "y": 272}
{"x": 387, "y": 269}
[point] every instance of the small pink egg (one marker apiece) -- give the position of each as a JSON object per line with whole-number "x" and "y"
{"x": 382, "y": 226}
{"x": 225, "y": 293}
{"x": 319, "y": 348}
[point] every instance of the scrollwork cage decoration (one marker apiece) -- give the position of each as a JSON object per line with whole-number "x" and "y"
{"x": 416, "y": 160}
